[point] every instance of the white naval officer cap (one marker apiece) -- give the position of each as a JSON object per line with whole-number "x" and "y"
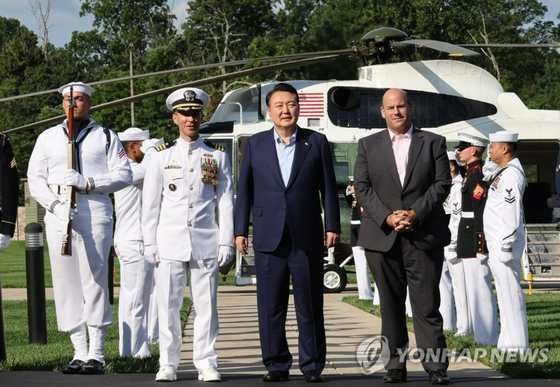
{"x": 503, "y": 136}
{"x": 134, "y": 134}
{"x": 188, "y": 98}
{"x": 79, "y": 87}
{"x": 468, "y": 139}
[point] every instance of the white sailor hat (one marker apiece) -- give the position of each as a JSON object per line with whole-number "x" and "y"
{"x": 134, "y": 134}
{"x": 467, "y": 139}
{"x": 79, "y": 87}
{"x": 188, "y": 98}
{"x": 452, "y": 156}
{"x": 503, "y": 136}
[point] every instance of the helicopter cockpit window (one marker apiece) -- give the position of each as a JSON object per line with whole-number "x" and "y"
{"x": 358, "y": 107}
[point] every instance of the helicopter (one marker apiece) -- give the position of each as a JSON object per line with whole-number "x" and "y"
{"x": 450, "y": 96}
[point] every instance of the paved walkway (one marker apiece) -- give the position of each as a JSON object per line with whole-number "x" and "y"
{"x": 239, "y": 351}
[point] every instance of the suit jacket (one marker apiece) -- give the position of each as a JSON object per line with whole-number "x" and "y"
{"x": 262, "y": 189}
{"x": 379, "y": 190}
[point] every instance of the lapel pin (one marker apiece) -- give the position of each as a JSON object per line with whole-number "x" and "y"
{"x": 306, "y": 144}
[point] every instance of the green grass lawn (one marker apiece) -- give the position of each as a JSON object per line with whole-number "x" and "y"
{"x": 544, "y": 332}
{"x": 58, "y": 351}
{"x": 12, "y": 268}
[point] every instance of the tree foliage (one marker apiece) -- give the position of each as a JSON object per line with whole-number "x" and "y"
{"x": 140, "y": 34}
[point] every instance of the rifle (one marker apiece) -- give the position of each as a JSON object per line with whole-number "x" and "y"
{"x": 70, "y": 200}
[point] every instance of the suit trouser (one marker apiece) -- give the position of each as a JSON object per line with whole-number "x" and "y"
{"x": 481, "y": 301}
{"x": 446, "y": 307}
{"x": 511, "y": 299}
{"x": 171, "y": 281}
{"x": 273, "y": 290}
{"x": 464, "y": 319}
{"x": 136, "y": 285}
{"x": 362, "y": 274}
{"x": 80, "y": 282}
{"x": 404, "y": 264}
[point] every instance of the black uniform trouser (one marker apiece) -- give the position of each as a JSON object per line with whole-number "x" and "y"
{"x": 393, "y": 270}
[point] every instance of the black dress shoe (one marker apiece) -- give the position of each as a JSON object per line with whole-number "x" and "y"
{"x": 313, "y": 377}
{"x": 277, "y": 376}
{"x": 395, "y": 375}
{"x": 439, "y": 377}
{"x": 74, "y": 367}
{"x": 92, "y": 367}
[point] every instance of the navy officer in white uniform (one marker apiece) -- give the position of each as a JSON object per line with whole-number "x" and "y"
{"x": 183, "y": 185}
{"x": 505, "y": 234}
{"x": 80, "y": 282}
{"x": 137, "y": 273}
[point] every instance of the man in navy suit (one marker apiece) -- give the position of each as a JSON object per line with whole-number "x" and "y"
{"x": 401, "y": 180}
{"x": 286, "y": 174}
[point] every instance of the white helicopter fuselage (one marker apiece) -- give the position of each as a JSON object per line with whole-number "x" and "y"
{"x": 449, "y": 97}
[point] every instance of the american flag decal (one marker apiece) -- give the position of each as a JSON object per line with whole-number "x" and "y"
{"x": 311, "y": 105}
{"x": 121, "y": 153}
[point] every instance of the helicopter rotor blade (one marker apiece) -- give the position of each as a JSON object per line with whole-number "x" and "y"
{"x": 512, "y": 45}
{"x": 200, "y": 82}
{"x": 199, "y": 67}
{"x": 451, "y": 49}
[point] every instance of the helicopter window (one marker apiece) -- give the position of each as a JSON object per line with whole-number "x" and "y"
{"x": 430, "y": 109}
{"x": 343, "y": 98}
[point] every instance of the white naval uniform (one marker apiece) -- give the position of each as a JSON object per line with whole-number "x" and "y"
{"x": 452, "y": 284}
{"x": 179, "y": 216}
{"x": 80, "y": 282}
{"x": 137, "y": 274}
{"x": 504, "y": 230}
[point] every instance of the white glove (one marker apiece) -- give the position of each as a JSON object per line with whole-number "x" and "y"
{"x": 150, "y": 143}
{"x": 151, "y": 254}
{"x": 4, "y": 241}
{"x": 73, "y": 178}
{"x": 225, "y": 255}
{"x": 482, "y": 258}
{"x": 505, "y": 257}
{"x": 451, "y": 257}
{"x": 58, "y": 210}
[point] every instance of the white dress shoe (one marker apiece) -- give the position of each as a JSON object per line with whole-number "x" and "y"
{"x": 210, "y": 375}
{"x": 166, "y": 373}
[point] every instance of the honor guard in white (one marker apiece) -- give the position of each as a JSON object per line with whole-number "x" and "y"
{"x": 80, "y": 281}
{"x": 505, "y": 234}
{"x": 452, "y": 283}
{"x": 137, "y": 274}
{"x": 362, "y": 271}
{"x": 182, "y": 188}
{"x": 471, "y": 244}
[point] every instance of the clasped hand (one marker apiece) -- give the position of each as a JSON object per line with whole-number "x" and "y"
{"x": 402, "y": 220}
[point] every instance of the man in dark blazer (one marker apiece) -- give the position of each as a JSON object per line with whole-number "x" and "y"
{"x": 286, "y": 174}
{"x": 401, "y": 179}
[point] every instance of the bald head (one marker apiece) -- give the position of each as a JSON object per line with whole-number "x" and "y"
{"x": 397, "y": 111}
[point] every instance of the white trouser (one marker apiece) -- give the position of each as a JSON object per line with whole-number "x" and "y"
{"x": 464, "y": 318}
{"x": 446, "y": 307}
{"x": 407, "y": 305}
{"x": 153, "y": 325}
{"x": 80, "y": 281}
{"x": 481, "y": 301}
{"x": 171, "y": 280}
{"x": 511, "y": 299}
{"x": 136, "y": 285}
{"x": 375, "y": 294}
{"x": 362, "y": 273}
